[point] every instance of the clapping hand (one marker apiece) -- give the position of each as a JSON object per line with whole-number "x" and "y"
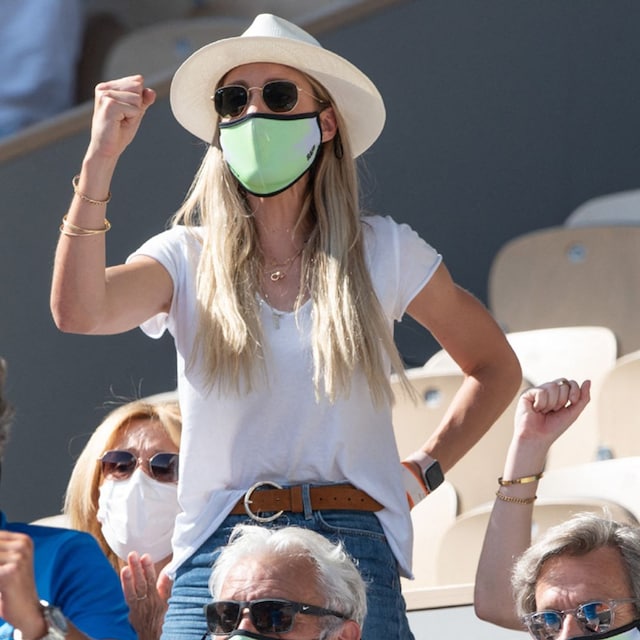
{"x": 146, "y": 595}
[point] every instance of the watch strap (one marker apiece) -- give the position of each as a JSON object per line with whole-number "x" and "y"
{"x": 432, "y": 475}
{"x": 414, "y": 485}
{"x": 55, "y": 621}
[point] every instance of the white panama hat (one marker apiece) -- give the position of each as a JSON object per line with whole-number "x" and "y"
{"x": 272, "y": 39}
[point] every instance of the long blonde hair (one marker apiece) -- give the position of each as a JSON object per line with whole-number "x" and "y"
{"x": 83, "y": 489}
{"x": 350, "y": 329}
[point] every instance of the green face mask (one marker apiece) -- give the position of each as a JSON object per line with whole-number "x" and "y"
{"x": 268, "y": 153}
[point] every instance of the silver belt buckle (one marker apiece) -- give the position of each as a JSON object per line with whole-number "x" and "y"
{"x": 247, "y": 501}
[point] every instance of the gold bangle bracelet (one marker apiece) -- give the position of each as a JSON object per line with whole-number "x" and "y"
{"x": 86, "y": 198}
{"x": 70, "y": 229}
{"x": 523, "y": 480}
{"x": 501, "y": 496}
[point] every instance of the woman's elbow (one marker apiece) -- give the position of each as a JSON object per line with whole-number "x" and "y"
{"x": 480, "y": 607}
{"x": 487, "y": 611}
{"x": 509, "y": 369}
{"x": 71, "y": 320}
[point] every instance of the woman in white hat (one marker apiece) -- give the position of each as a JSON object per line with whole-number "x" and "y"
{"x": 281, "y": 298}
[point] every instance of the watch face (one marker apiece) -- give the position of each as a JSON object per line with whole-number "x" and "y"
{"x": 57, "y": 617}
{"x": 56, "y": 621}
{"x": 433, "y": 476}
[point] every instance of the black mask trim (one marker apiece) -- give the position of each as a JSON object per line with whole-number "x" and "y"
{"x": 611, "y": 633}
{"x": 269, "y": 116}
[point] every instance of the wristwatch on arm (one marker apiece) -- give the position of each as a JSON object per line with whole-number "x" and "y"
{"x": 55, "y": 620}
{"x": 419, "y": 485}
{"x": 432, "y": 474}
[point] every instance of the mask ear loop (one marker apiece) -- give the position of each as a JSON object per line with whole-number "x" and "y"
{"x": 338, "y": 149}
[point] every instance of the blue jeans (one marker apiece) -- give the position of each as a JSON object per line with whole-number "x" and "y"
{"x": 364, "y": 539}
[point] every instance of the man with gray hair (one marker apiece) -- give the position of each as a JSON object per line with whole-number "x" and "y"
{"x": 581, "y": 577}
{"x": 285, "y": 580}
{"x": 55, "y": 583}
{"x": 588, "y": 567}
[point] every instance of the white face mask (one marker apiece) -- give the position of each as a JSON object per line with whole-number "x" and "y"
{"x": 138, "y": 514}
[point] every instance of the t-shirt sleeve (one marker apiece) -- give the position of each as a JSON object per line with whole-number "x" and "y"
{"x": 171, "y": 249}
{"x": 88, "y": 590}
{"x": 401, "y": 262}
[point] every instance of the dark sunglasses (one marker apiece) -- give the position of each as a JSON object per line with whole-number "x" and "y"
{"x": 280, "y": 96}
{"x": 119, "y": 465}
{"x": 267, "y": 616}
{"x": 595, "y": 616}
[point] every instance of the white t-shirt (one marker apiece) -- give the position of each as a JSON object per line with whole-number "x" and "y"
{"x": 278, "y": 431}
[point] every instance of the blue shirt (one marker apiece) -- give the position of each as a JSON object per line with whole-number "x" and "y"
{"x": 72, "y": 573}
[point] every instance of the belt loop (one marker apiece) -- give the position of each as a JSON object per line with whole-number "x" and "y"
{"x": 306, "y": 501}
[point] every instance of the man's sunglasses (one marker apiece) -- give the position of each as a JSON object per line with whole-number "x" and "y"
{"x": 119, "y": 465}
{"x": 267, "y": 616}
{"x": 280, "y": 96}
{"x": 595, "y": 616}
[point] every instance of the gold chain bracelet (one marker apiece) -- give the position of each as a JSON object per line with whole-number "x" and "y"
{"x": 86, "y": 198}
{"x": 501, "y": 496}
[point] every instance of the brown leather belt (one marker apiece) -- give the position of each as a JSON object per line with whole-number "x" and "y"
{"x": 275, "y": 500}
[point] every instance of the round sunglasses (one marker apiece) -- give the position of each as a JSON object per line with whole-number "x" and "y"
{"x": 119, "y": 465}
{"x": 595, "y": 616}
{"x": 280, "y": 96}
{"x": 267, "y": 615}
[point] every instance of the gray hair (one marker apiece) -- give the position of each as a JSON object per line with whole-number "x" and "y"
{"x": 336, "y": 574}
{"x": 581, "y": 534}
{"x": 6, "y": 410}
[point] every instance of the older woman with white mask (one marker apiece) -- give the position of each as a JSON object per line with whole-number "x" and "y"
{"x": 123, "y": 490}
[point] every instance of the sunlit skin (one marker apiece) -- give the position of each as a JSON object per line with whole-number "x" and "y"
{"x": 260, "y": 577}
{"x": 567, "y": 581}
{"x": 139, "y": 574}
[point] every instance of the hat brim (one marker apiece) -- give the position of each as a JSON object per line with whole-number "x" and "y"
{"x": 352, "y": 92}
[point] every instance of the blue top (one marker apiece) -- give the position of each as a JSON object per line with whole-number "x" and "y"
{"x": 72, "y": 573}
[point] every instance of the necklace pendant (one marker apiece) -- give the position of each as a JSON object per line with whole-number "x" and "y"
{"x": 274, "y": 276}
{"x": 276, "y": 320}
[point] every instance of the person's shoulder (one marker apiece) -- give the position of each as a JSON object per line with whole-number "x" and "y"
{"x": 180, "y": 233}
{"x": 177, "y": 239}
{"x": 376, "y": 220}
{"x": 52, "y": 535}
{"x": 384, "y": 226}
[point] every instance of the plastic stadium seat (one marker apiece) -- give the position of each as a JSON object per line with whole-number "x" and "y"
{"x": 618, "y": 408}
{"x": 616, "y": 480}
{"x": 59, "y": 520}
{"x": 620, "y": 208}
{"x": 431, "y": 518}
{"x": 561, "y": 277}
{"x": 461, "y": 544}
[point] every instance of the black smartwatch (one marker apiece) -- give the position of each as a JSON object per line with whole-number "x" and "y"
{"x": 433, "y": 476}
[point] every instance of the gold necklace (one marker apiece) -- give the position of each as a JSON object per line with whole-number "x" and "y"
{"x": 278, "y": 270}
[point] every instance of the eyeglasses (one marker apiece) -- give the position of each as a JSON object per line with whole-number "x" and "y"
{"x": 119, "y": 465}
{"x": 267, "y": 616}
{"x": 595, "y": 616}
{"x": 279, "y": 95}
